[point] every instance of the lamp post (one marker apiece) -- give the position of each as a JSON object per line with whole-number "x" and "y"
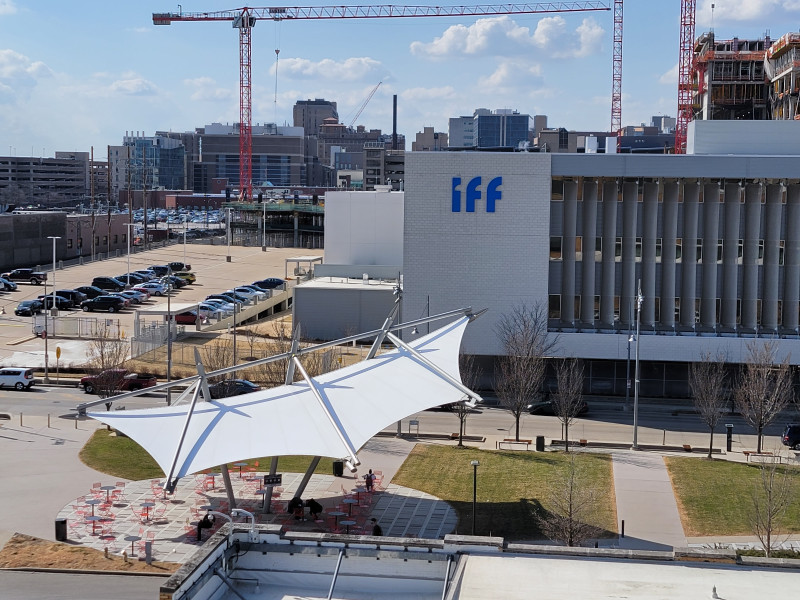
{"x": 129, "y": 225}
{"x": 53, "y": 310}
{"x": 184, "y": 244}
{"x": 54, "y": 307}
{"x": 264, "y": 227}
{"x": 475, "y": 465}
{"x": 639, "y": 300}
{"x": 229, "y": 233}
{"x": 169, "y": 334}
{"x": 628, "y": 372}
{"x": 235, "y": 311}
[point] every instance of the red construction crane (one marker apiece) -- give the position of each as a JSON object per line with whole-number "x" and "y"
{"x": 616, "y": 71}
{"x": 685, "y": 70}
{"x": 245, "y": 18}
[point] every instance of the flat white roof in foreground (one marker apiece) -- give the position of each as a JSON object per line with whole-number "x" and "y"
{"x": 524, "y": 577}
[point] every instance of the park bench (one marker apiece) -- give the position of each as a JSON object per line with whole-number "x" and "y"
{"x": 761, "y": 456}
{"x": 512, "y": 441}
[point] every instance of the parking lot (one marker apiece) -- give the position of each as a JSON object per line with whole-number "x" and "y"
{"x": 20, "y": 347}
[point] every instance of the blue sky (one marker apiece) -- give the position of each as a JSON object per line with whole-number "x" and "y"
{"x": 81, "y": 73}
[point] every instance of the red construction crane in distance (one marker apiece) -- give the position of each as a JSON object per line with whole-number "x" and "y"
{"x": 685, "y": 71}
{"x": 244, "y": 19}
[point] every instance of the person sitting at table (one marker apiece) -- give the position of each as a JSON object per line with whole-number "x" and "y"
{"x": 295, "y": 507}
{"x": 314, "y": 508}
{"x": 207, "y": 522}
{"x": 376, "y": 529}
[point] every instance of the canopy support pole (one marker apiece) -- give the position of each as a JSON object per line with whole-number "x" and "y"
{"x": 267, "y": 501}
{"x": 441, "y": 373}
{"x": 387, "y": 324}
{"x": 329, "y": 412}
{"x": 169, "y": 482}
{"x": 336, "y": 573}
{"x": 226, "y": 478}
{"x": 292, "y": 353}
{"x": 307, "y": 477}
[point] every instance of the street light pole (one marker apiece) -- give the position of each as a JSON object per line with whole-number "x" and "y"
{"x": 129, "y": 225}
{"x": 264, "y": 227}
{"x": 628, "y": 372}
{"x": 229, "y": 233}
{"x": 169, "y": 334}
{"x": 54, "y": 238}
{"x": 184, "y": 244}
{"x": 52, "y": 312}
{"x": 475, "y": 465}
{"x": 639, "y": 300}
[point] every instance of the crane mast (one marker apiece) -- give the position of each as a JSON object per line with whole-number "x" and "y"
{"x": 685, "y": 70}
{"x": 245, "y": 18}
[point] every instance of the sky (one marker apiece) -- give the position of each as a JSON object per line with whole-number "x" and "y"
{"x": 80, "y": 74}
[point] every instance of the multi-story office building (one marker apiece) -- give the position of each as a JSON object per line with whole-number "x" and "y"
{"x": 429, "y": 140}
{"x": 460, "y": 132}
{"x": 311, "y": 114}
{"x": 502, "y": 128}
{"x": 713, "y": 240}
{"x": 154, "y": 162}
{"x": 61, "y": 181}
{"x": 783, "y": 70}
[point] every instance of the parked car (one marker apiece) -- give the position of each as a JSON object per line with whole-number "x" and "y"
{"x": 35, "y": 277}
{"x": 179, "y": 266}
{"x": 91, "y": 291}
{"x": 270, "y": 283}
{"x": 159, "y": 270}
{"x": 187, "y": 276}
{"x": 230, "y": 298}
{"x": 176, "y": 282}
{"x": 146, "y": 273}
{"x": 75, "y": 296}
{"x": 28, "y": 308}
{"x": 131, "y": 278}
{"x": 232, "y": 387}
{"x": 18, "y": 378}
{"x": 108, "y": 283}
{"x": 105, "y": 303}
{"x": 61, "y": 303}
{"x": 125, "y": 300}
{"x": 246, "y": 292}
{"x": 135, "y": 296}
{"x": 7, "y": 284}
{"x": 223, "y": 305}
{"x": 213, "y": 310}
{"x": 791, "y": 436}
{"x": 152, "y": 287}
{"x": 117, "y": 381}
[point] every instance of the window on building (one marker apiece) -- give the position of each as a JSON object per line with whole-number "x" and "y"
{"x": 105, "y": 240}
{"x": 598, "y": 249}
{"x": 563, "y": 139}
{"x": 124, "y": 238}
{"x": 657, "y": 305}
{"x": 761, "y": 252}
{"x": 678, "y": 250}
{"x": 618, "y": 249}
{"x": 658, "y": 249}
{"x": 638, "y": 249}
{"x": 719, "y": 251}
{"x": 579, "y": 247}
{"x": 699, "y": 253}
{"x": 557, "y": 190}
{"x": 597, "y": 308}
{"x": 116, "y": 238}
{"x": 554, "y": 303}
{"x": 69, "y": 243}
{"x": 97, "y": 240}
{"x": 555, "y": 248}
{"x": 577, "y": 314}
{"x": 781, "y": 249}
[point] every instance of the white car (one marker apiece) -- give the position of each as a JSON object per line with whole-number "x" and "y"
{"x": 247, "y": 293}
{"x": 213, "y": 310}
{"x": 137, "y": 296}
{"x": 227, "y": 307}
{"x": 18, "y": 378}
{"x": 152, "y": 287}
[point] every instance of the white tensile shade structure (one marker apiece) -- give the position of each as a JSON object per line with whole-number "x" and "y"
{"x": 334, "y": 417}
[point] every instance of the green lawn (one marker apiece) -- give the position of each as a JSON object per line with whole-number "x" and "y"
{"x": 511, "y": 486}
{"x": 714, "y": 496}
{"x": 120, "y": 456}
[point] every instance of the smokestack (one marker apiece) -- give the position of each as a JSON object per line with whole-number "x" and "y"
{"x": 394, "y": 122}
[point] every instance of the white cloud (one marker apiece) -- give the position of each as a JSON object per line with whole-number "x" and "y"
{"x": 206, "y": 88}
{"x": 512, "y": 75}
{"x": 19, "y": 75}
{"x": 351, "y": 69}
{"x": 499, "y": 36}
{"x": 741, "y": 10}
{"x": 136, "y": 86}
{"x": 7, "y": 7}
{"x": 670, "y": 77}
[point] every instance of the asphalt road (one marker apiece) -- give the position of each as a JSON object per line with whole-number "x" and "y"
{"x": 20, "y": 585}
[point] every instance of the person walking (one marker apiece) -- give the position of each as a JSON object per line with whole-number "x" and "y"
{"x": 369, "y": 479}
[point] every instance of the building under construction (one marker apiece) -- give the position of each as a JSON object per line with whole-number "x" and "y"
{"x": 783, "y": 71}
{"x": 730, "y": 80}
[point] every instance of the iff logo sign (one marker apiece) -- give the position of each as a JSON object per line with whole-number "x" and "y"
{"x": 473, "y": 193}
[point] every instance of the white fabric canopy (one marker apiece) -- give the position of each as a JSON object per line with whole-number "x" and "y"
{"x": 289, "y": 420}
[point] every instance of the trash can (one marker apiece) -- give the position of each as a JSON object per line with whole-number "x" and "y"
{"x": 338, "y": 468}
{"x": 61, "y": 530}
{"x": 540, "y": 443}
{"x": 729, "y": 431}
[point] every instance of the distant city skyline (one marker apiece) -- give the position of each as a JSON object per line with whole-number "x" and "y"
{"x": 76, "y": 75}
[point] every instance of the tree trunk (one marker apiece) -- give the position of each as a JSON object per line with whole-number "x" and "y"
{"x": 711, "y": 442}
{"x": 516, "y": 420}
{"x": 460, "y": 432}
{"x": 760, "y": 433}
{"x": 566, "y": 437}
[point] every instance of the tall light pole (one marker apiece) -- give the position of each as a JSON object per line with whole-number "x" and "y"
{"x": 53, "y": 311}
{"x": 229, "y": 233}
{"x": 639, "y": 300}
{"x": 184, "y": 244}
{"x": 475, "y": 465}
{"x": 628, "y": 372}
{"x": 264, "y": 226}
{"x": 169, "y": 334}
{"x": 129, "y": 225}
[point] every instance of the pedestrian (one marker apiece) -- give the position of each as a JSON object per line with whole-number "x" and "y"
{"x": 369, "y": 478}
{"x": 207, "y": 522}
{"x": 314, "y": 508}
{"x": 295, "y": 507}
{"x": 376, "y": 529}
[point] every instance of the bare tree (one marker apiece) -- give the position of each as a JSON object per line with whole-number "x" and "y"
{"x": 106, "y": 352}
{"x": 707, "y": 379}
{"x": 568, "y": 400}
{"x": 217, "y": 355}
{"x": 772, "y": 494}
{"x": 526, "y": 343}
{"x": 470, "y": 376}
{"x": 764, "y": 388}
{"x": 572, "y": 504}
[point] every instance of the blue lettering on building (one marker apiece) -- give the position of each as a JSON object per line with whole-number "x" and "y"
{"x": 473, "y": 193}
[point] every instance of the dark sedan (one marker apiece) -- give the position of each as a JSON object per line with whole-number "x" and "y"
{"x": 105, "y": 303}
{"x": 232, "y": 387}
{"x": 61, "y": 302}
{"x": 91, "y": 291}
{"x": 270, "y": 283}
{"x": 28, "y": 308}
